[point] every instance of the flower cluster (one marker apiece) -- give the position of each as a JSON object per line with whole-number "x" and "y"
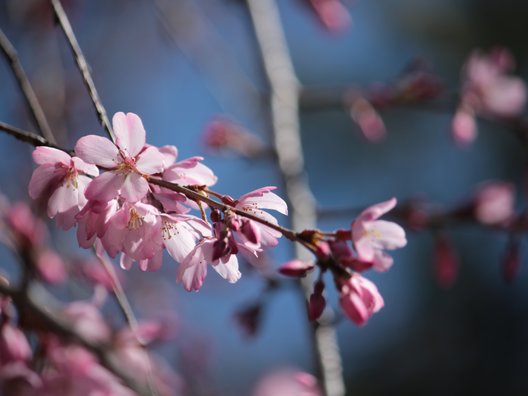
{"x": 487, "y": 91}
{"x": 370, "y": 238}
{"x": 106, "y": 190}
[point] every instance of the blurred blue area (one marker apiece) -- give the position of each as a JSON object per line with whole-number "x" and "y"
{"x": 426, "y": 340}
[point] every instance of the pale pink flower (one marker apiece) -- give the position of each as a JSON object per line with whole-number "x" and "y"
{"x": 92, "y": 221}
{"x": 288, "y": 383}
{"x": 129, "y": 162}
{"x": 14, "y": 345}
{"x": 181, "y": 233}
{"x": 253, "y": 203}
{"x": 193, "y": 270}
{"x": 359, "y": 298}
{"x": 62, "y": 181}
{"x": 487, "y": 91}
{"x": 371, "y": 237}
{"x": 134, "y": 229}
{"x": 494, "y": 202}
{"x": 86, "y": 319}
{"x": 190, "y": 172}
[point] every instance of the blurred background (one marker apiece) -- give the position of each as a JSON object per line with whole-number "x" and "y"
{"x": 181, "y": 63}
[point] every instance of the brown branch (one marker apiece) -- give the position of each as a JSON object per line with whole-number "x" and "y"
{"x": 83, "y": 67}
{"x": 287, "y": 141}
{"x": 28, "y": 137}
{"x": 29, "y": 95}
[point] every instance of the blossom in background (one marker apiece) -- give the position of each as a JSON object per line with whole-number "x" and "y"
{"x": 332, "y": 13}
{"x": 359, "y": 298}
{"x": 494, "y": 202}
{"x": 371, "y": 237}
{"x": 445, "y": 264}
{"x": 487, "y": 91}
{"x": 287, "y": 383}
{"x": 61, "y": 180}
{"x": 128, "y": 162}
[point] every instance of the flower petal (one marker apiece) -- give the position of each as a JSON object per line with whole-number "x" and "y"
{"x": 48, "y": 155}
{"x": 150, "y": 161}
{"x": 45, "y": 177}
{"x": 130, "y": 133}
{"x": 134, "y": 188}
{"x": 98, "y": 150}
{"x": 105, "y": 186}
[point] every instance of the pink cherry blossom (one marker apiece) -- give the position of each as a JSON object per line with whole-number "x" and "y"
{"x": 253, "y": 203}
{"x": 332, "y": 14}
{"x": 371, "y": 237}
{"x": 63, "y": 179}
{"x": 296, "y": 268}
{"x": 14, "y": 345}
{"x": 193, "y": 270}
{"x": 359, "y": 298}
{"x": 134, "y": 229}
{"x": 494, "y": 202}
{"x": 190, "y": 171}
{"x": 129, "y": 162}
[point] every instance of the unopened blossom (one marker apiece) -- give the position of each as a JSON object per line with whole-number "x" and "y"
{"x": 14, "y": 345}
{"x": 371, "y": 237}
{"x": 129, "y": 162}
{"x": 488, "y": 90}
{"x": 368, "y": 120}
{"x": 332, "y": 13}
{"x": 359, "y": 298}
{"x": 317, "y": 301}
{"x": 445, "y": 263}
{"x": 61, "y": 180}
{"x": 296, "y": 268}
{"x": 494, "y": 202}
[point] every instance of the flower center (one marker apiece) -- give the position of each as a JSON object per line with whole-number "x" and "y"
{"x": 71, "y": 178}
{"x": 136, "y": 221}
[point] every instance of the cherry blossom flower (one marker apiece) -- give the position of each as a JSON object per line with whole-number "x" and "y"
{"x": 494, "y": 202}
{"x": 193, "y": 270}
{"x": 129, "y": 162}
{"x": 487, "y": 91}
{"x": 63, "y": 179}
{"x": 372, "y": 236}
{"x": 359, "y": 298}
{"x": 296, "y": 268}
{"x": 253, "y": 203}
{"x": 332, "y": 14}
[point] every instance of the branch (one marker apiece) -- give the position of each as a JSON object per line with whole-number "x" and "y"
{"x": 32, "y": 102}
{"x": 82, "y": 65}
{"x": 28, "y": 137}
{"x": 287, "y": 141}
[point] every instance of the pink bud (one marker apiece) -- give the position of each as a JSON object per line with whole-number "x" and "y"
{"x": 332, "y": 14}
{"x": 251, "y": 231}
{"x": 14, "y": 345}
{"x": 445, "y": 262}
{"x": 368, "y": 120}
{"x": 317, "y": 302}
{"x": 359, "y": 298}
{"x": 511, "y": 263}
{"x": 464, "y": 127}
{"x": 296, "y": 268}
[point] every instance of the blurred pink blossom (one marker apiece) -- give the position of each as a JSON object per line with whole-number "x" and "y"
{"x": 287, "y": 383}
{"x": 494, "y": 202}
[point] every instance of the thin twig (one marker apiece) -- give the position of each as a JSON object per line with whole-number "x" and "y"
{"x": 30, "y": 97}
{"x": 28, "y": 137}
{"x": 286, "y": 135}
{"x": 80, "y": 60}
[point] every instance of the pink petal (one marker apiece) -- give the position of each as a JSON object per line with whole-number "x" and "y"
{"x": 228, "y": 269}
{"x": 98, "y": 150}
{"x": 170, "y": 153}
{"x": 105, "y": 186}
{"x": 179, "y": 241}
{"x": 263, "y": 198}
{"x": 134, "y": 188}
{"x": 87, "y": 169}
{"x": 63, "y": 199}
{"x": 464, "y": 127}
{"x": 45, "y": 177}
{"x": 48, "y": 155}
{"x": 296, "y": 268}
{"x": 386, "y": 235}
{"x": 150, "y": 161}
{"x": 130, "y": 133}
{"x": 193, "y": 270}
{"x": 375, "y": 211}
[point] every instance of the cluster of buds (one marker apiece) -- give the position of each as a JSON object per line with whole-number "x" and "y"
{"x": 347, "y": 253}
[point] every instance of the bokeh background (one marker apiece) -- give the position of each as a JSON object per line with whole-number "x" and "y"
{"x": 180, "y": 63}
